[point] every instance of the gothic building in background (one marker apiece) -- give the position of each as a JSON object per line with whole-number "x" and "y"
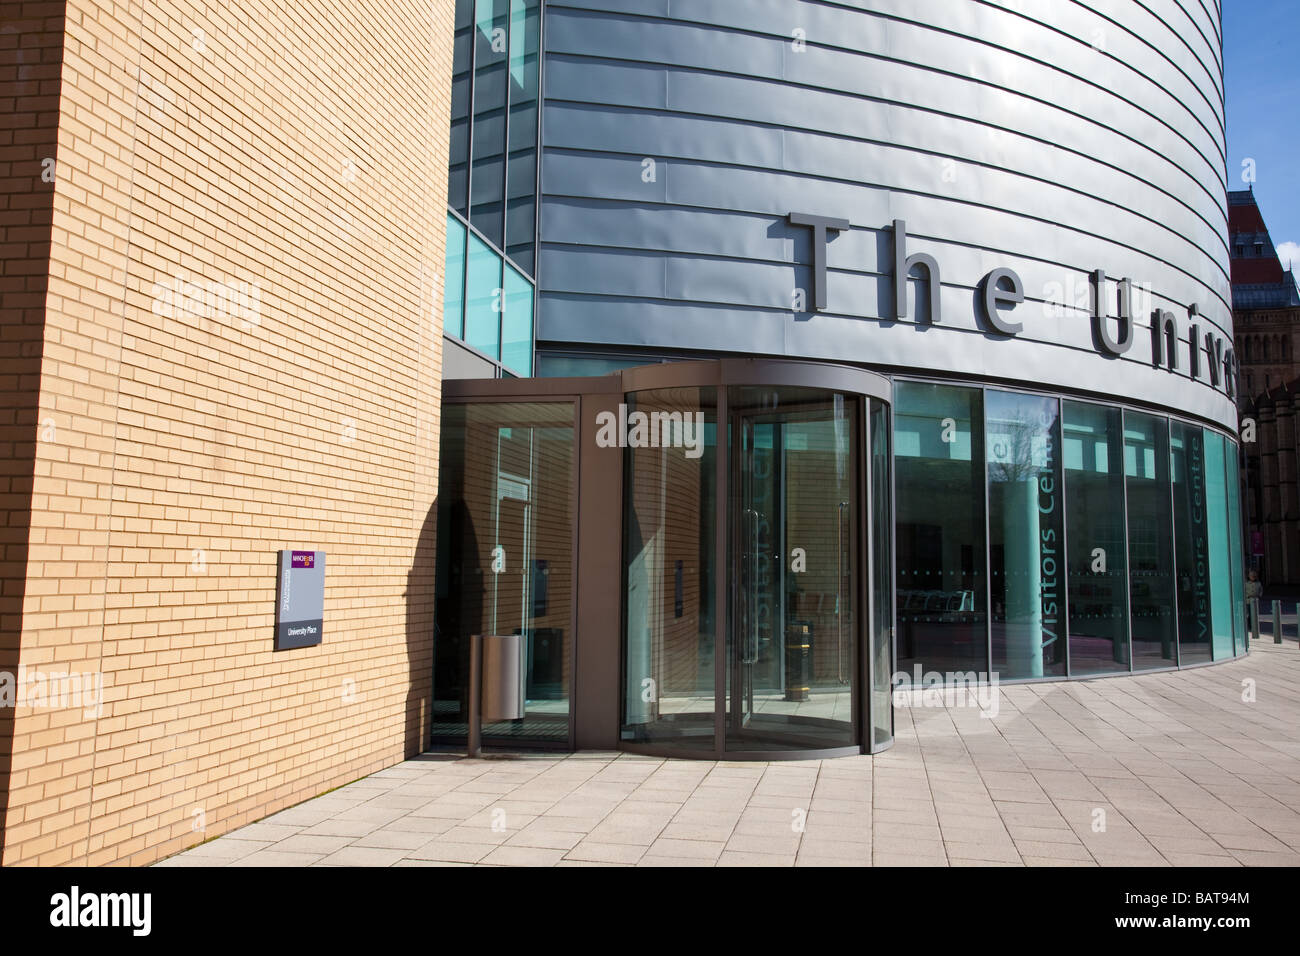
{"x": 1266, "y": 320}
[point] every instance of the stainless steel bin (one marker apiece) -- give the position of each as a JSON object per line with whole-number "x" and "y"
{"x": 503, "y": 677}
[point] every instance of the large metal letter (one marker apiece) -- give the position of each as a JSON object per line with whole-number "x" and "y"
{"x": 903, "y": 265}
{"x": 1101, "y": 333}
{"x": 994, "y": 296}
{"x": 819, "y": 226}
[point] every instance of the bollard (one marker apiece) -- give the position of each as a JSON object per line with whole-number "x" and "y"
{"x": 474, "y": 732}
{"x": 1254, "y": 619}
{"x": 1277, "y": 622}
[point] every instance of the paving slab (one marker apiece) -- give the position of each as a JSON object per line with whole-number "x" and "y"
{"x": 1186, "y": 773}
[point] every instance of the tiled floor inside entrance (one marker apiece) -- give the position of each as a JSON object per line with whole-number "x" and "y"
{"x": 1199, "y": 767}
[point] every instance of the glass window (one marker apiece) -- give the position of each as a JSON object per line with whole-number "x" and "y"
{"x": 669, "y": 557}
{"x": 1150, "y": 541}
{"x": 882, "y": 526}
{"x": 1027, "y": 570}
{"x": 517, "y": 324}
{"x": 1216, "y": 506}
{"x": 521, "y": 165}
{"x": 488, "y": 143}
{"x": 458, "y": 159}
{"x": 1092, "y": 455}
{"x": 1235, "y": 548}
{"x": 484, "y": 299}
{"x": 1191, "y": 542}
{"x": 942, "y": 593}
{"x": 453, "y": 292}
{"x": 559, "y": 365}
{"x": 505, "y": 558}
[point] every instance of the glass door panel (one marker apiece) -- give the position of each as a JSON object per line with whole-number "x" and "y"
{"x": 793, "y": 641}
{"x": 505, "y": 560}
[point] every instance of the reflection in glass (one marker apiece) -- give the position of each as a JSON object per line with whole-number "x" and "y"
{"x": 521, "y": 166}
{"x": 1092, "y": 456}
{"x": 453, "y": 296}
{"x": 1216, "y": 505}
{"x": 517, "y": 324}
{"x": 1150, "y": 541}
{"x": 939, "y": 488}
{"x": 487, "y": 179}
{"x": 1026, "y": 563}
{"x": 1191, "y": 541}
{"x": 458, "y": 158}
{"x": 793, "y": 525}
{"x": 505, "y": 558}
{"x": 882, "y": 525}
{"x": 1235, "y": 549}
{"x": 483, "y": 299}
{"x": 669, "y": 550}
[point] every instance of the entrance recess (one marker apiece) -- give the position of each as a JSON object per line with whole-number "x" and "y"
{"x": 698, "y": 557}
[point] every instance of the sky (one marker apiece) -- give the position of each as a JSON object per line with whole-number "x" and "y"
{"x": 1261, "y": 65}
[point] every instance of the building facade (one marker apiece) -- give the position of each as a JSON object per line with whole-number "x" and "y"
{"x": 1271, "y": 491}
{"x": 1014, "y": 215}
{"x": 1265, "y": 302}
{"x": 726, "y": 359}
{"x": 1266, "y": 319}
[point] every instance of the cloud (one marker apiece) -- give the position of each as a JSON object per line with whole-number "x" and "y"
{"x": 1289, "y": 253}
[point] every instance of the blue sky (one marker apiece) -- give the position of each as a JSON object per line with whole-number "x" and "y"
{"x": 1261, "y": 51}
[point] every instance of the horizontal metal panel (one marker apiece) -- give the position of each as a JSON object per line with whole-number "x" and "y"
{"x": 1038, "y": 130}
{"x": 677, "y": 137}
{"x": 1175, "y": 32}
{"x": 844, "y": 54}
{"x": 1197, "y": 59}
{"x": 1050, "y": 287}
{"x": 776, "y": 192}
{"x": 1063, "y": 320}
{"x": 1163, "y": 223}
{"x": 1023, "y": 29}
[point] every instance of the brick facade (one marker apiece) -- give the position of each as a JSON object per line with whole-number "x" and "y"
{"x": 239, "y": 351}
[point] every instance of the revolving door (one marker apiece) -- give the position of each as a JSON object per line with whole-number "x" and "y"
{"x": 757, "y": 562}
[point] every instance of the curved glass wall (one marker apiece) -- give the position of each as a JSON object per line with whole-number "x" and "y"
{"x": 940, "y": 530}
{"x": 1093, "y": 461}
{"x": 1152, "y": 594}
{"x": 1191, "y": 542}
{"x": 1026, "y": 557}
{"x": 670, "y": 569}
{"x": 756, "y": 614}
{"x": 1111, "y": 537}
{"x": 881, "y": 579}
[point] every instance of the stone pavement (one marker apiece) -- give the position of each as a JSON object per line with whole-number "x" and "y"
{"x": 1165, "y": 769}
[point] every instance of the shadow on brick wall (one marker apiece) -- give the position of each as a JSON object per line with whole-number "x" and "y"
{"x": 31, "y": 55}
{"x": 420, "y": 590}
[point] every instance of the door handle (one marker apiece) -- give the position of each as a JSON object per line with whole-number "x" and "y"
{"x": 749, "y": 650}
{"x": 841, "y": 511}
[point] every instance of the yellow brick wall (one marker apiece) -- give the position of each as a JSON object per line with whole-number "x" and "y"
{"x": 293, "y": 156}
{"x": 31, "y": 51}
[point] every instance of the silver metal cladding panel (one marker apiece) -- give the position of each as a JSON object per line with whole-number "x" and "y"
{"x": 1052, "y": 138}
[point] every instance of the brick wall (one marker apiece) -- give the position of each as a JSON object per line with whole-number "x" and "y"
{"x": 241, "y": 353}
{"x": 31, "y": 51}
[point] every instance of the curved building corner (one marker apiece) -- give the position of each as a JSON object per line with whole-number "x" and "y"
{"x": 1014, "y": 216}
